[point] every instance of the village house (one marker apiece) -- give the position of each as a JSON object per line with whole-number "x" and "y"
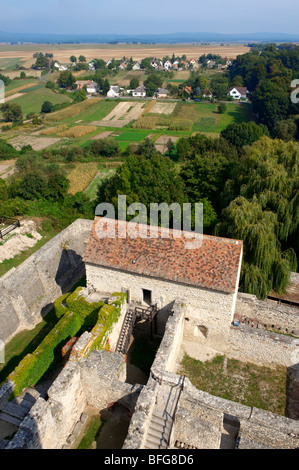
{"x": 208, "y": 94}
{"x": 91, "y": 65}
{"x": 238, "y": 93}
{"x": 187, "y": 89}
{"x": 211, "y": 64}
{"x": 61, "y": 68}
{"x": 92, "y": 88}
{"x": 123, "y": 66}
{"x": 167, "y": 65}
{"x": 80, "y": 84}
{"x": 192, "y": 62}
{"x": 162, "y": 93}
{"x": 136, "y": 66}
{"x": 139, "y": 92}
{"x": 114, "y": 92}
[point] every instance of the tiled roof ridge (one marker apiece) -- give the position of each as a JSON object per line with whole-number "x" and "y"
{"x": 175, "y": 231}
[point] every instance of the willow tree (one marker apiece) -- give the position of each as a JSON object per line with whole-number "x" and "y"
{"x": 265, "y": 215}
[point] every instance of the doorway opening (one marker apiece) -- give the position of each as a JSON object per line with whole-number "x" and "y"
{"x": 147, "y": 296}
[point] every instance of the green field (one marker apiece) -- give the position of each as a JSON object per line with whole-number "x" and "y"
{"x": 134, "y": 135}
{"x": 235, "y": 113}
{"x": 32, "y": 102}
{"x": 92, "y": 189}
{"x": 95, "y": 113}
{"x": 10, "y": 64}
{"x": 15, "y": 84}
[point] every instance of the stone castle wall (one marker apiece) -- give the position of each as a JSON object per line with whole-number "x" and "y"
{"x": 28, "y": 291}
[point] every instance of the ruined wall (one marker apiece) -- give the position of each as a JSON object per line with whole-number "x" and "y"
{"x": 28, "y": 291}
{"x": 267, "y": 313}
{"x": 97, "y": 381}
{"x": 50, "y": 422}
{"x": 210, "y": 416}
{"x": 213, "y": 309}
{"x": 262, "y": 347}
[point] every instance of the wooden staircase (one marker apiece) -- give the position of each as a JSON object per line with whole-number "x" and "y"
{"x": 133, "y": 314}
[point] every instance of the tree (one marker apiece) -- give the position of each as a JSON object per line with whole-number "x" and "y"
{"x": 222, "y": 108}
{"x": 147, "y": 148}
{"x": 105, "y": 147}
{"x": 11, "y": 112}
{"x": 219, "y": 86}
{"x": 42, "y": 62}
{"x": 170, "y": 146}
{"x": 245, "y": 133}
{"x": 6, "y": 80}
{"x": 58, "y": 186}
{"x": 47, "y": 107}
{"x": 285, "y": 129}
{"x": 33, "y": 186}
{"x": 153, "y": 82}
{"x": 7, "y": 150}
{"x": 264, "y": 214}
{"x": 105, "y": 87}
{"x": 82, "y": 58}
{"x": 66, "y": 79}
{"x": 134, "y": 83}
{"x": 204, "y": 176}
{"x": 73, "y": 59}
{"x": 144, "y": 180}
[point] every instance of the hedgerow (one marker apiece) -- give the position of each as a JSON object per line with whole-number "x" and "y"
{"x": 76, "y": 315}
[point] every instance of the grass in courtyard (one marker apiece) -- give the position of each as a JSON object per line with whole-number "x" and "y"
{"x": 92, "y": 432}
{"x": 245, "y": 383}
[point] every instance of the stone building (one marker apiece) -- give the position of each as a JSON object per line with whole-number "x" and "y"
{"x": 159, "y": 270}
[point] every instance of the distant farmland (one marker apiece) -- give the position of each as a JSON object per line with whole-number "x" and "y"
{"x": 62, "y": 52}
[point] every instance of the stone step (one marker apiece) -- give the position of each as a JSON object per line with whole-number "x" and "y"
{"x": 155, "y": 433}
{"x": 10, "y": 419}
{"x": 152, "y": 443}
{"x": 161, "y": 421}
{"x": 159, "y": 426}
{"x": 18, "y": 411}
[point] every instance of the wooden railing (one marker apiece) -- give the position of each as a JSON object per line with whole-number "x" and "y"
{"x": 8, "y": 225}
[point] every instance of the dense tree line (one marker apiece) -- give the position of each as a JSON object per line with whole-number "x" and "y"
{"x": 268, "y": 75}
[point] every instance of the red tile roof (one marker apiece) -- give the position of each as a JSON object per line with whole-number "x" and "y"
{"x": 213, "y": 265}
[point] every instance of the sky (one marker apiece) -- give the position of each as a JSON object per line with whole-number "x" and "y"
{"x": 153, "y": 16}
